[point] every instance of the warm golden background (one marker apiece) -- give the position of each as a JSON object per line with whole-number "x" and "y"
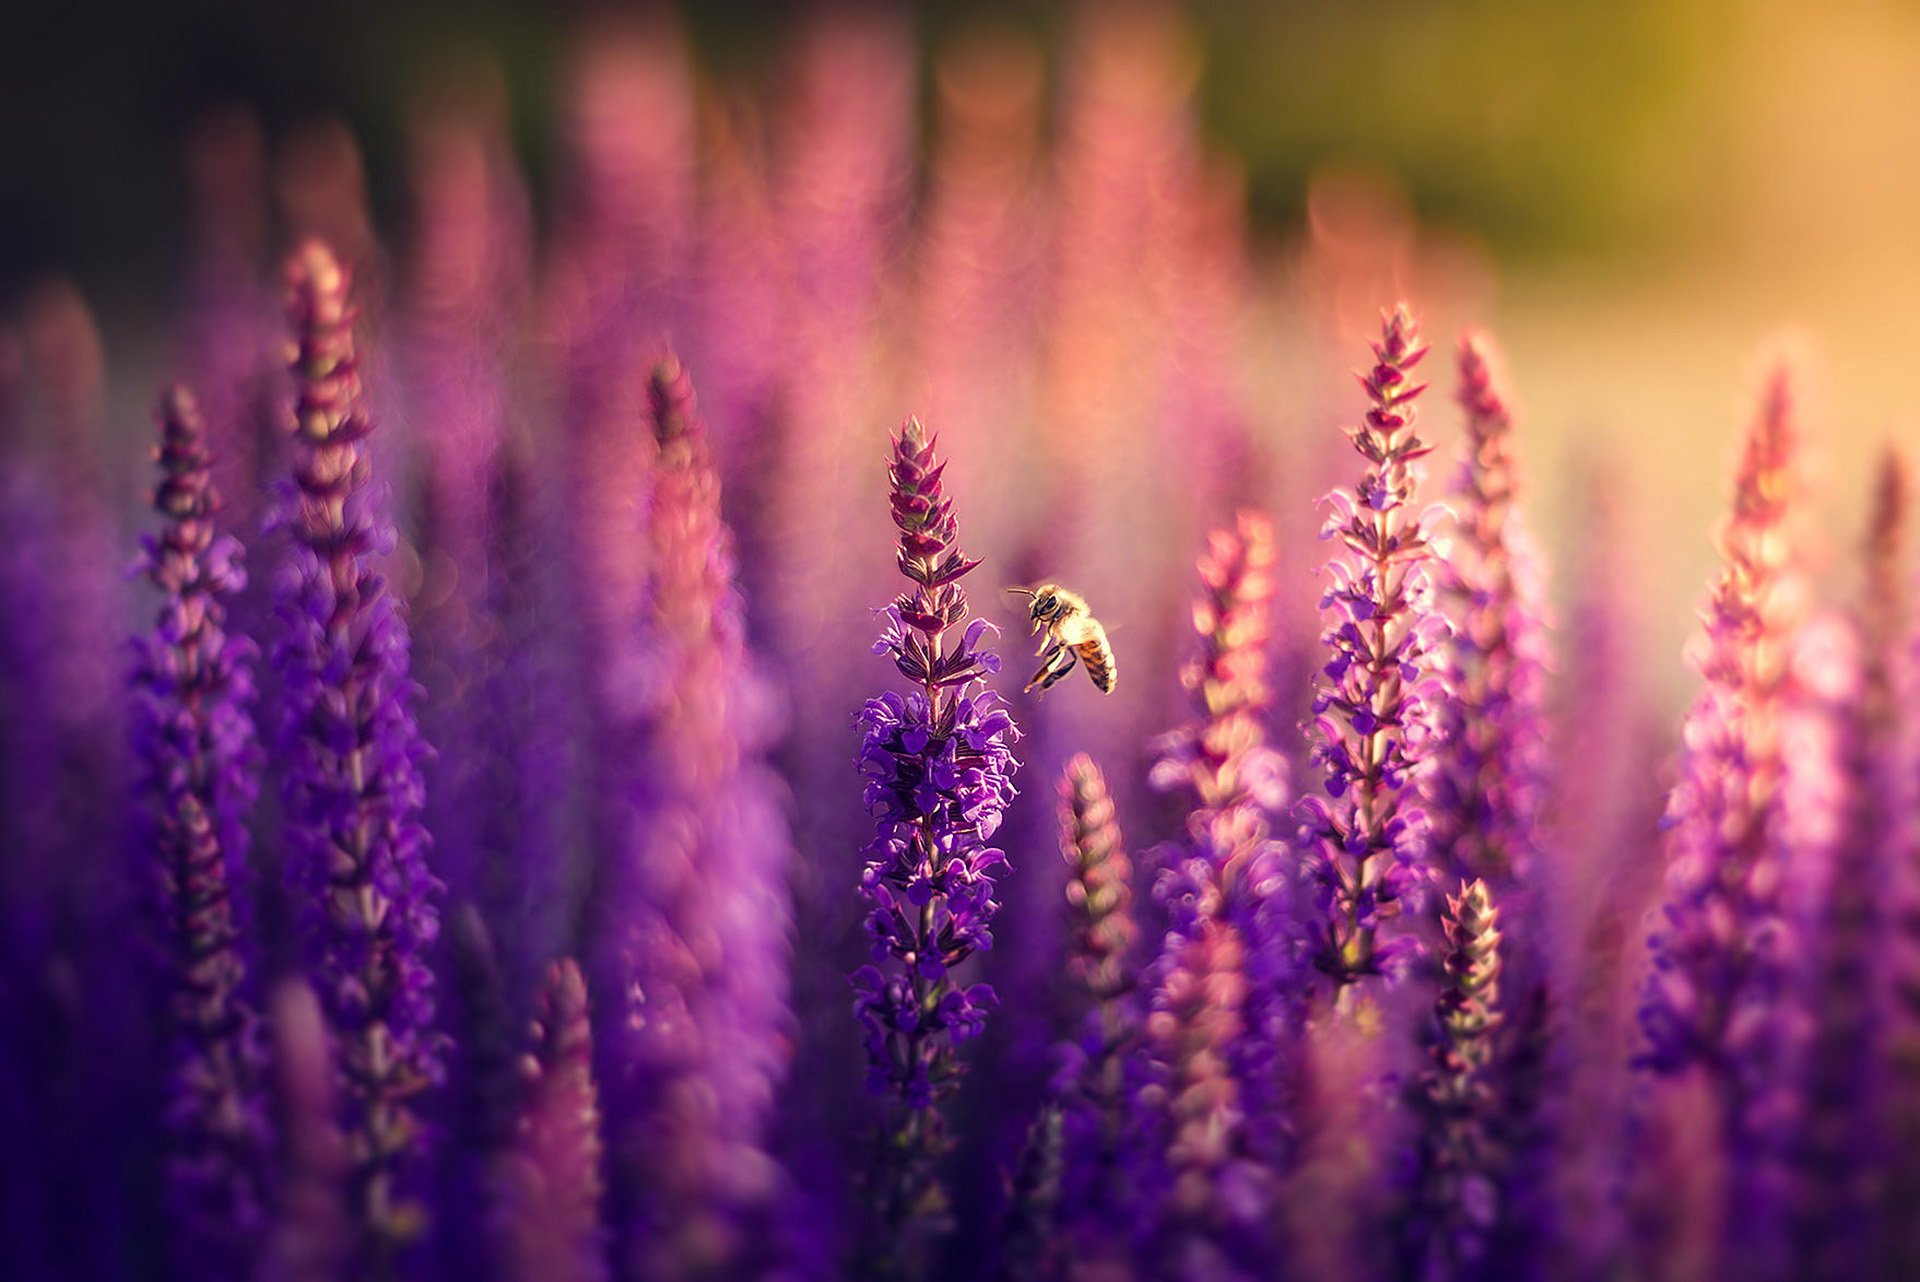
{"x": 1637, "y": 197}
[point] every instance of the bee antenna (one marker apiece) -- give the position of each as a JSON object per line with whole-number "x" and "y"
{"x": 1029, "y": 593}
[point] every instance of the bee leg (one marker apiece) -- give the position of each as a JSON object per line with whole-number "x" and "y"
{"x": 1055, "y": 662}
{"x": 1061, "y": 665}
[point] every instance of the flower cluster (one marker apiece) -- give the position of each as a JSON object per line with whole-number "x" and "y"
{"x": 639, "y": 690}
{"x": 1719, "y": 996}
{"x": 1487, "y": 787}
{"x": 695, "y": 918}
{"x": 548, "y": 1181}
{"x": 1228, "y": 865}
{"x": 193, "y": 684}
{"x": 352, "y": 756}
{"x": 1207, "y": 1212}
{"x": 1092, "y": 1081}
{"x": 1455, "y": 1195}
{"x": 938, "y": 763}
{"x": 1379, "y": 693}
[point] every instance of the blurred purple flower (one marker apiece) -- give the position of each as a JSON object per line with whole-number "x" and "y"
{"x": 694, "y": 928}
{"x": 1031, "y": 1246}
{"x": 465, "y": 293}
{"x": 1454, "y": 1199}
{"x": 311, "y": 1231}
{"x": 352, "y": 758}
{"x": 1487, "y": 784}
{"x": 199, "y": 764}
{"x": 1226, "y": 891}
{"x": 1380, "y": 692}
{"x": 1091, "y": 1084}
{"x": 548, "y": 1185}
{"x": 1720, "y": 997}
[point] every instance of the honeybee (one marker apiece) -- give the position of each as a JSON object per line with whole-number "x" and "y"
{"x": 1069, "y": 633}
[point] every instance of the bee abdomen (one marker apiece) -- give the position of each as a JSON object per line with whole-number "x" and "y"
{"x": 1097, "y": 656}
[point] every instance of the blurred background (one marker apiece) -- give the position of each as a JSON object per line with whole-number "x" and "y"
{"x": 1637, "y": 197}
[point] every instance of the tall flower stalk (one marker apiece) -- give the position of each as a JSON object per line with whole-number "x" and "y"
{"x": 694, "y": 931}
{"x": 1227, "y": 898}
{"x": 1234, "y": 782}
{"x": 1101, "y": 935}
{"x": 352, "y": 756}
{"x": 1488, "y": 784}
{"x": 1377, "y": 697}
{"x": 939, "y": 765}
{"x": 1718, "y": 999}
{"x": 199, "y": 764}
{"x": 1456, "y": 1171}
{"x": 548, "y": 1185}
{"x": 311, "y": 1221}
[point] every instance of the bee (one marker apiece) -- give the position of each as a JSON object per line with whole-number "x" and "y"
{"x": 1069, "y": 633}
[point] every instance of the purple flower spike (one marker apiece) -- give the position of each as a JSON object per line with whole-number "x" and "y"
{"x": 352, "y": 757}
{"x": 1457, "y": 1165}
{"x": 1101, "y": 935}
{"x": 1374, "y": 709}
{"x": 548, "y": 1185}
{"x": 694, "y": 936}
{"x": 1226, "y": 895}
{"x": 1718, "y": 999}
{"x": 938, "y": 763}
{"x": 1845, "y": 1184}
{"x": 1031, "y": 1247}
{"x": 311, "y": 1227}
{"x": 1212, "y": 1195}
{"x": 1488, "y": 784}
{"x": 199, "y": 766}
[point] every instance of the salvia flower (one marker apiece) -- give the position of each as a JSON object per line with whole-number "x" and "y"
{"x": 311, "y": 1226}
{"x": 1031, "y": 1250}
{"x": 548, "y": 1184}
{"x": 1454, "y": 1198}
{"x": 1837, "y": 828}
{"x": 352, "y": 758}
{"x": 694, "y": 930}
{"x": 1718, "y": 997}
{"x": 938, "y": 764}
{"x": 1487, "y": 785}
{"x": 1851, "y": 758}
{"x": 1209, "y": 1201}
{"x": 1228, "y": 864}
{"x": 1375, "y": 702}
{"x": 1101, "y": 936}
{"x": 199, "y": 765}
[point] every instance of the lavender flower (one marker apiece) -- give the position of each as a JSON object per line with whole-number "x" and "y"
{"x": 311, "y": 1225}
{"x": 1212, "y": 1196}
{"x": 1378, "y": 694}
{"x": 1092, "y": 1084}
{"x": 939, "y": 766}
{"x": 199, "y": 766}
{"x": 1845, "y": 1180}
{"x": 1229, "y": 864}
{"x": 1487, "y": 788}
{"x": 1031, "y": 1249}
{"x": 1456, "y": 1173}
{"x": 352, "y": 758}
{"x": 548, "y": 1184}
{"x": 469, "y": 278}
{"x": 1226, "y": 896}
{"x": 694, "y": 934}
{"x": 1101, "y": 935}
{"x": 1717, "y": 999}
{"x": 1836, "y": 828}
